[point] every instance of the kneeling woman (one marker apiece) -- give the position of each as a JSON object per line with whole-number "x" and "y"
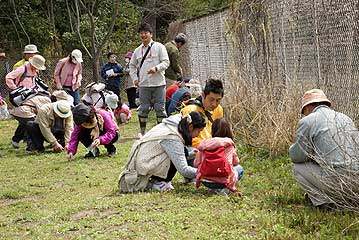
{"x": 92, "y": 128}
{"x": 154, "y": 159}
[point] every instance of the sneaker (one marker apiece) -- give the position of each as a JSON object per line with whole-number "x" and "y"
{"x": 111, "y": 154}
{"x": 189, "y": 181}
{"x": 15, "y": 144}
{"x": 93, "y": 153}
{"x": 220, "y": 191}
{"x": 162, "y": 186}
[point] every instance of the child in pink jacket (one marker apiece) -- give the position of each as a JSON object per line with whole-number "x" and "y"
{"x": 222, "y": 135}
{"x": 122, "y": 114}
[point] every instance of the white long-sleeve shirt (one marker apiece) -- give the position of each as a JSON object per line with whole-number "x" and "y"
{"x": 157, "y": 57}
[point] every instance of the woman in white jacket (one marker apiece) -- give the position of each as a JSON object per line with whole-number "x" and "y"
{"x": 154, "y": 159}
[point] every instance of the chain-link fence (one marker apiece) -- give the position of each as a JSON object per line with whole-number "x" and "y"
{"x": 206, "y": 55}
{"x": 282, "y": 43}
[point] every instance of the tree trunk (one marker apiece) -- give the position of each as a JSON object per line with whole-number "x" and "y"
{"x": 150, "y": 15}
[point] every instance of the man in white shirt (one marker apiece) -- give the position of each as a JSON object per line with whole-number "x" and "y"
{"x": 147, "y": 69}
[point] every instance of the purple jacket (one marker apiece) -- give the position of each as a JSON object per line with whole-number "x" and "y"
{"x": 110, "y": 129}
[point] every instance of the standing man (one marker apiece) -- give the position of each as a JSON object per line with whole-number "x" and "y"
{"x": 174, "y": 71}
{"x": 68, "y": 74}
{"x": 29, "y": 51}
{"x": 325, "y": 151}
{"x": 209, "y": 105}
{"x": 147, "y": 70}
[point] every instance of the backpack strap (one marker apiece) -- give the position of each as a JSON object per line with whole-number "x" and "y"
{"x": 22, "y": 77}
{"x": 144, "y": 58}
{"x": 102, "y": 96}
{"x": 198, "y": 102}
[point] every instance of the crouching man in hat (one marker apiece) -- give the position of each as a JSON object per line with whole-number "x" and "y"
{"x": 325, "y": 151}
{"x": 53, "y": 124}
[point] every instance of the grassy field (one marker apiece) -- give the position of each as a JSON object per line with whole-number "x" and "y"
{"x": 44, "y": 196}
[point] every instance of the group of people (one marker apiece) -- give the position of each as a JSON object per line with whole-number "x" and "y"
{"x": 191, "y": 137}
{"x": 60, "y": 118}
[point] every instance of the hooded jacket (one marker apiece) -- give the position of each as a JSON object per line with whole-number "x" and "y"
{"x": 229, "y": 153}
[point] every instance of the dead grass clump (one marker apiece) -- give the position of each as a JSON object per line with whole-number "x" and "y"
{"x": 263, "y": 116}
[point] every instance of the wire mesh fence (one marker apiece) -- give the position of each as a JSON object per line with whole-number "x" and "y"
{"x": 279, "y": 44}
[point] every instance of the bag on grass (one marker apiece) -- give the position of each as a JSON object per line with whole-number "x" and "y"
{"x": 4, "y": 113}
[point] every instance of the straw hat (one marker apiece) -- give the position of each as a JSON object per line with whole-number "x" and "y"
{"x": 111, "y": 101}
{"x": 31, "y": 48}
{"x": 63, "y": 95}
{"x": 313, "y": 96}
{"x": 62, "y": 108}
{"x": 77, "y": 54}
{"x": 38, "y": 62}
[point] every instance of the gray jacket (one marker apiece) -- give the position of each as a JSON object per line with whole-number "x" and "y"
{"x": 327, "y": 137}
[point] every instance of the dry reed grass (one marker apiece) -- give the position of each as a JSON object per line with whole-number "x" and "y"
{"x": 263, "y": 116}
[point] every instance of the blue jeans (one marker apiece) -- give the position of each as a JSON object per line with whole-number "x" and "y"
{"x": 75, "y": 94}
{"x": 238, "y": 170}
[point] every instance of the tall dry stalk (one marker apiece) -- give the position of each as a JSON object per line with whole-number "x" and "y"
{"x": 263, "y": 117}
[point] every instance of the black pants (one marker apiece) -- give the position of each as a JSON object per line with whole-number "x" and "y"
{"x": 38, "y": 139}
{"x": 85, "y": 138}
{"x": 172, "y": 170}
{"x": 131, "y": 97}
{"x": 20, "y": 132}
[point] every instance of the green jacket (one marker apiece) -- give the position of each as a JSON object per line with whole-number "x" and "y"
{"x": 174, "y": 71}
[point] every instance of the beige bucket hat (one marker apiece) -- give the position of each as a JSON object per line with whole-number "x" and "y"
{"x": 62, "y": 108}
{"x": 314, "y": 96}
{"x": 38, "y": 62}
{"x": 31, "y": 48}
{"x": 63, "y": 95}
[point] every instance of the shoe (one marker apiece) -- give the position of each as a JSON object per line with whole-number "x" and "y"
{"x": 189, "y": 181}
{"x": 220, "y": 191}
{"x": 34, "y": 150}
{"x": 111, "y": 154}
{"x": 15, "y": 144}
{"x": 93, "y": 153}
{"x": 327, "y": 207}
{"x": 162, "y": 186}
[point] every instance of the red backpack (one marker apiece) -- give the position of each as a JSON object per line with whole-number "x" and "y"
{"x": 214, "y": 164}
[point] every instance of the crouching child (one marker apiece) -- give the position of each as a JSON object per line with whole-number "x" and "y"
{"x": 217, "y": 160}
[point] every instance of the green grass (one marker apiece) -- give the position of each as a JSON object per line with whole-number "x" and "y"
{"x": 43, "y": 196}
